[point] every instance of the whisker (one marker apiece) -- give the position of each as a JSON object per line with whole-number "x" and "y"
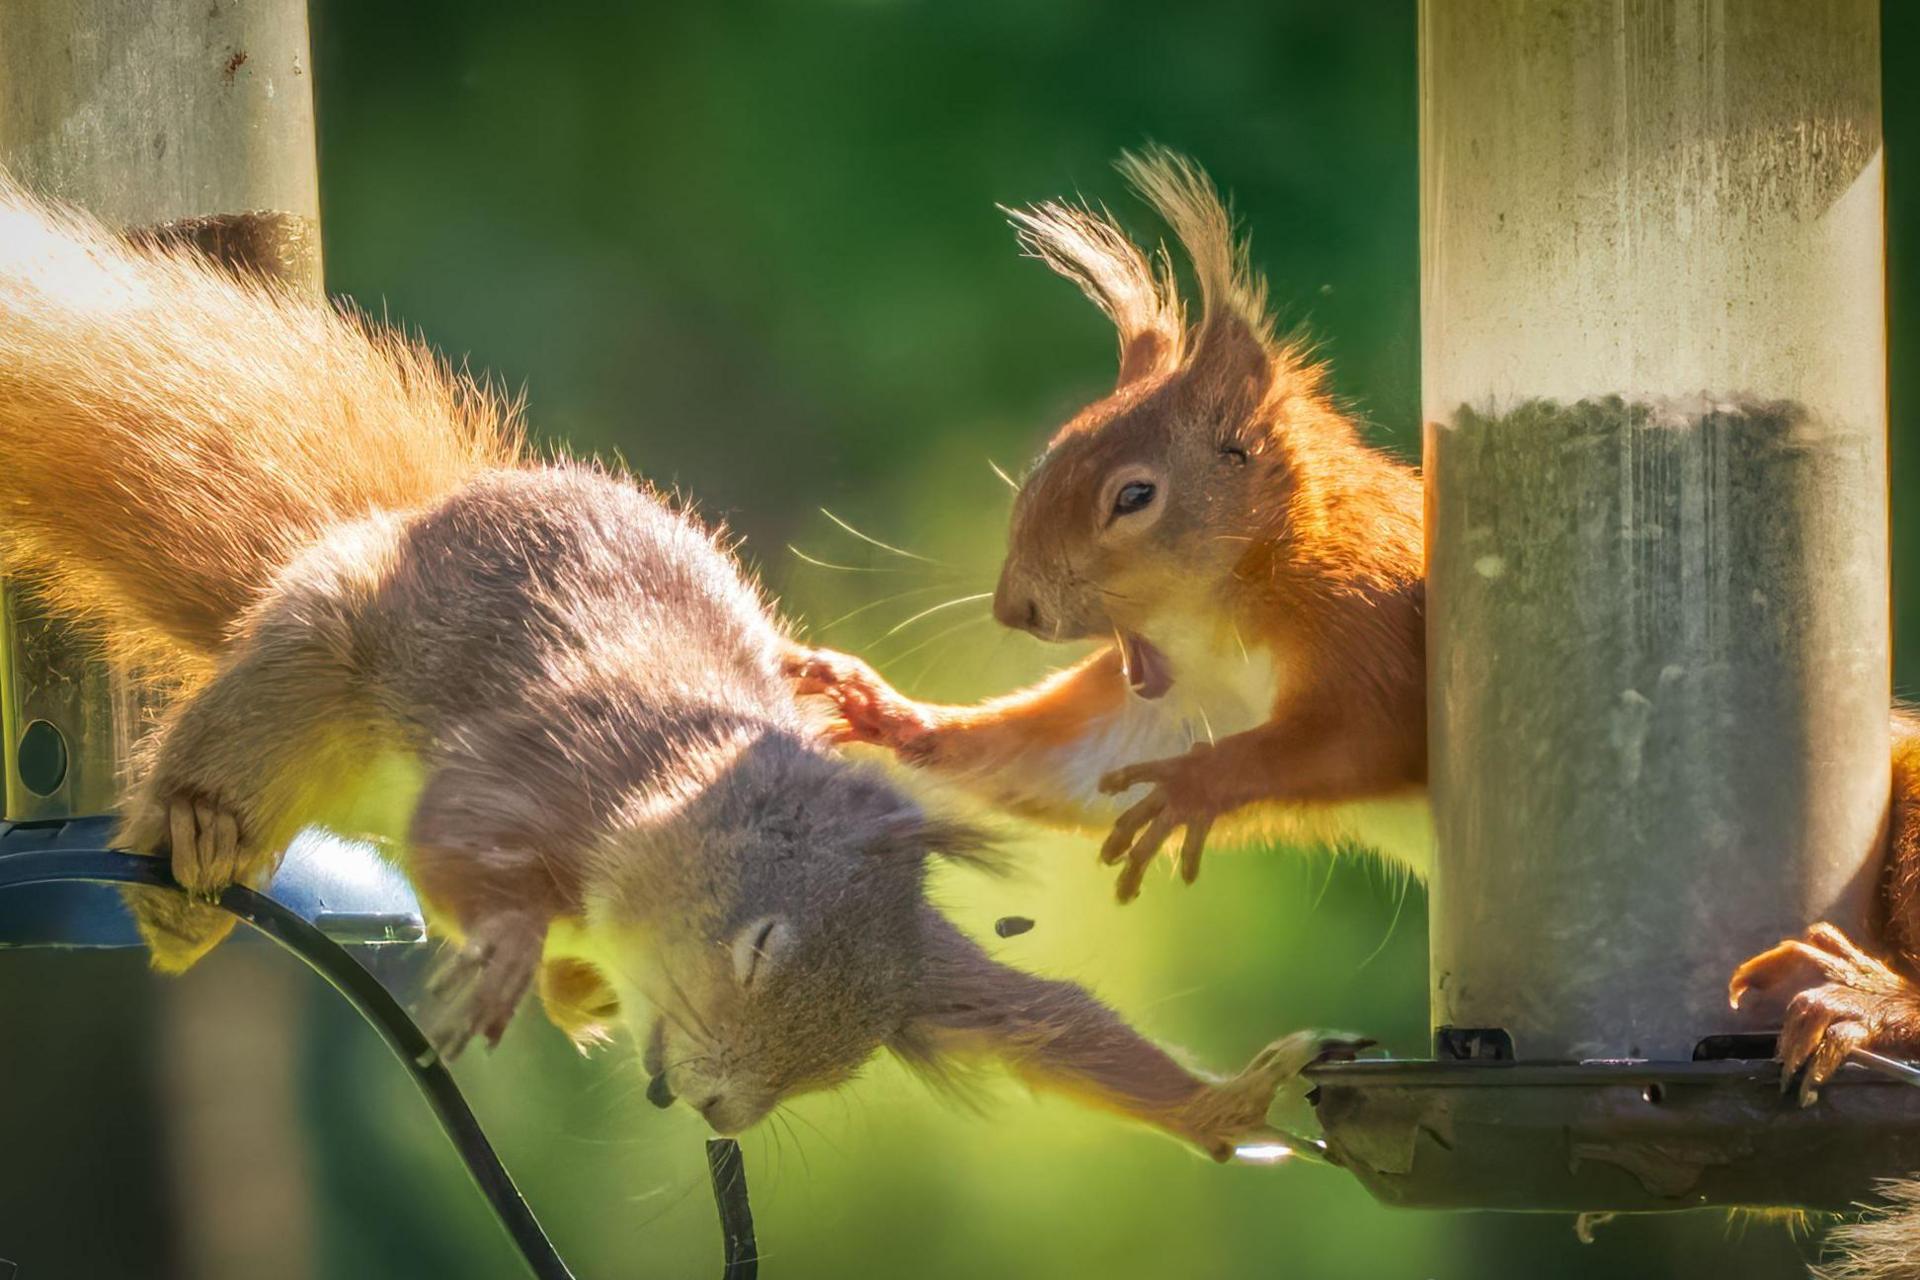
{"x": 845, "y": 568}
{"x": 816, "y": 1128}
{"x": 1392, "y": 924}
{"x": 678, "y": 1022}
{"x": 666, "y": 1208}
{"x": 940, "y": 653}
{"x": 938, "y": 635}
{"x": 779, "y": 1161}
{"x": 895, "y": 598}
{"x": 1332, "y": 859}
{"x": 872, "y": 541}
{"x": 687, "y": 1004}
{"x": 1009, "y": 481}
{"x": 928, "y": 613}
{"x": 786, "y": 1122}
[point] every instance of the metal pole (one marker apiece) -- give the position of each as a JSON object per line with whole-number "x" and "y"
{"x": 191, "y": 119}
{"x": 1654, "y": 379}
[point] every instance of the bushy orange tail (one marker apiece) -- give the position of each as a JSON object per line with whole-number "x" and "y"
{"x": 171, "y": 434}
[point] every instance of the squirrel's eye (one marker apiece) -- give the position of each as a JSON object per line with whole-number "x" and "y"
{"x": 1133, "y": 496}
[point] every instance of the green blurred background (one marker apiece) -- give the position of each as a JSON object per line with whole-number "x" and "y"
{"x": 752, "y": 248}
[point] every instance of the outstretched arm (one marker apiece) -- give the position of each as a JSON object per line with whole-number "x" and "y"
{"x": 1039, "y": 752}
{"x": 1057, "y": 1037}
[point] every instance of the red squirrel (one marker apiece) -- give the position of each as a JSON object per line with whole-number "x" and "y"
{"x": 1259, "y": 569}
{"x": 339, "y": 552}
{"x": 1256, "y": 564}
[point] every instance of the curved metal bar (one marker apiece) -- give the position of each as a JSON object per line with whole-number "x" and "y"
{"x": 729, "y": 1177}
{"x": 360, "y": 988}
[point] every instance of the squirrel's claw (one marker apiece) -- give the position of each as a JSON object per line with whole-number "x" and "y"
{"x": 480, "y": 985}
{"x": 1179, "y": 799}
{"x": 1862, "y": 1003}
{"x": 869, "y": 710}
{"x": 202, "y": 838}
{"x": 1233, "y": 1113}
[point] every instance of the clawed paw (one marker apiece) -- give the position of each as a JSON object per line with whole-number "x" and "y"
{"x": 1181, "y": 797}
{"x": 869, "y": 709}
{"x": 1861, "y": 1004}
{"x": 1233, "y": 1113}
{"x": 204, "y": 839}
{"x": 481, "y": 983}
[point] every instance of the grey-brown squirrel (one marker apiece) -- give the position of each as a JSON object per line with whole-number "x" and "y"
{"x": 340, "y": 552}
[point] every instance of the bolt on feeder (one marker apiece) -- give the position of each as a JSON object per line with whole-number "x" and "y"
{"x": 1655, "y": 391}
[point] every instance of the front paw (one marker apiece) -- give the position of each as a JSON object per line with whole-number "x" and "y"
{"x": 1862, "y": 1004}
{"x": 204, "y": 838}
{"x": 1185, "y": 794}
{"x": 481, "y": 983}
{"x": 869, "y": 709}
{"x": 1233, "y": 1113}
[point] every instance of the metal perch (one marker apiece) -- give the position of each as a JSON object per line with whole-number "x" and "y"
{"x": 77, "y": 852}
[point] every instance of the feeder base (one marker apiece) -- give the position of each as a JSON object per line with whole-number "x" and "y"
{"x": 1627, "y": 1137}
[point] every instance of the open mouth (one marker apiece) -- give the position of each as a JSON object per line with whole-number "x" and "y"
{"x": 1149, "y": 674}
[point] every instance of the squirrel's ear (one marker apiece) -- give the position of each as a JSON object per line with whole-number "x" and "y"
{"x": 1233, "y": 357}
{"x": 1138, "y": 293}
{"x": 893, "y": 823}
{"x": 912, "y": 829}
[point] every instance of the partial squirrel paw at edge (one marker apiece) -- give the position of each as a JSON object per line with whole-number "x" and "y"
{"x": 1232, "y": 1113}
{"x": 479, "y": 986}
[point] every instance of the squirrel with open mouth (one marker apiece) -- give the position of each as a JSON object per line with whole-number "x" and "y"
{"x": 1260, "y": 571}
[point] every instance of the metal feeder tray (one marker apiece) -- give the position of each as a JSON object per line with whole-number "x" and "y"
{"x": 1620, "y": 1136}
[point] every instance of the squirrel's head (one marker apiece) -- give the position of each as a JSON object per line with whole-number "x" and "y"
{"x": 793, "y": 947}
{"x": 1147, "y": 502}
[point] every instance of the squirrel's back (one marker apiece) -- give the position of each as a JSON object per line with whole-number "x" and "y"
{"x": 171, "y": 435}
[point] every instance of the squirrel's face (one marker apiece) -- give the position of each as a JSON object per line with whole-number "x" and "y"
{"x": 1150, "y": 502}
{"x": 780, "y": 1009}
{"x": 1140, "y": 508}
{"x": 774, "y": 927}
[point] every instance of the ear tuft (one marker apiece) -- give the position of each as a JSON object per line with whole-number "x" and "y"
{"x": 1186, "y": 199}
{"x": 955, "y": 839}
{"x": 1138, "y": 293}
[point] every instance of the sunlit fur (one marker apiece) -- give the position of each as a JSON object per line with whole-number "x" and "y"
{"x": 1279, "y": 569}
{"x": 1286, "y": 556}
{"x": 335, "y": 548}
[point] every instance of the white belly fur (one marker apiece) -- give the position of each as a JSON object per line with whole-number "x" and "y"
{"x": 1220, "y": 689}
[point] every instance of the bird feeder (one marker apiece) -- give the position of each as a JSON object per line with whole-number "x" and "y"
{"x": 1654, "y": 384}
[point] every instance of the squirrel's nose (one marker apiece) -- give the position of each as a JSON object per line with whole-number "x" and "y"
{"x": 1017, "y": 610}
